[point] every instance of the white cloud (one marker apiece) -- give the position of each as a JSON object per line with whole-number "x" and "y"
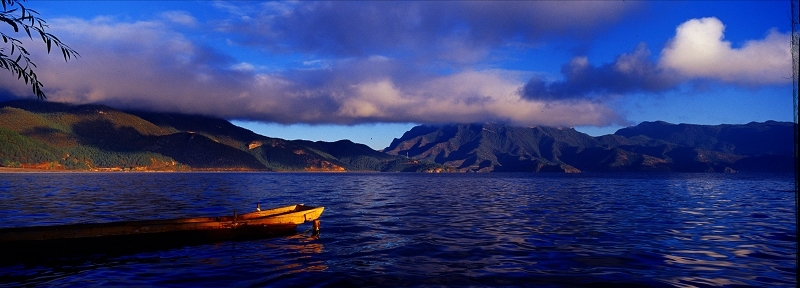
{"x": 466, "y": 97}
{"x": 179, "y": 17}
{"x": 244, "y": 67}
{"x": 699, "y": 50}
{"x": 373, "y": 99}
{"x": 493, "y": 95}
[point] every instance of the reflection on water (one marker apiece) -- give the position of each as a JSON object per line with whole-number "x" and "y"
{"x": 683, "y": 230}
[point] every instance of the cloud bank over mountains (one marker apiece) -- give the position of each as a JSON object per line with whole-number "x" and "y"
{"x": 365, "y": 62}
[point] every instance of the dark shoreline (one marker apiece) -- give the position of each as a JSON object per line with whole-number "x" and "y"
{"x": 34, "y": 170}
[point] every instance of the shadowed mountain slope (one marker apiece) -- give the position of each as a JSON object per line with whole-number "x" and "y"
{"x": 650, "y": 146}
{"x": 751, "y": 139}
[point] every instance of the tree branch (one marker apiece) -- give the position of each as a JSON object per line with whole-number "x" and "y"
{"x": 17, "y": 61}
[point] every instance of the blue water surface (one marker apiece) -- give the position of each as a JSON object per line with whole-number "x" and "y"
{"x": 441, "y": 230}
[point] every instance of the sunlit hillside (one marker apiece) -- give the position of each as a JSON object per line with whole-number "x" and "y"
{"x": 54, "y": 136}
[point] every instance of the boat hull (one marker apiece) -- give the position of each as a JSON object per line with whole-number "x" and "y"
{"x": 153, "y": 234}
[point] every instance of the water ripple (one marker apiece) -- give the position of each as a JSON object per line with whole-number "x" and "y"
{"x": 551, "y": 230}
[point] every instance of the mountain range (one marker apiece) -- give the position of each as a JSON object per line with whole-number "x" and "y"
{"x": 56, "y": 136}
{"x": 649, "y": 146}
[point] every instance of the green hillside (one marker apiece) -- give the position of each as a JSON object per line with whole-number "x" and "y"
{"x": 56, "y": 136}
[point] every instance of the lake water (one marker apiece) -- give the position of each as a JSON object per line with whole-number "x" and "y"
{"x": 398, "y": 229}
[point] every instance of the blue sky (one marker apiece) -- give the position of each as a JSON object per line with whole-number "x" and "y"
{"x": 369, "y": 71}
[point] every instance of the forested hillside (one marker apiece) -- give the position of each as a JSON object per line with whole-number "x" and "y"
{"x": 56, "y": 136}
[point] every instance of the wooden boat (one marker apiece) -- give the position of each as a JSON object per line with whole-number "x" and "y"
{"x": 157, "y": 233}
